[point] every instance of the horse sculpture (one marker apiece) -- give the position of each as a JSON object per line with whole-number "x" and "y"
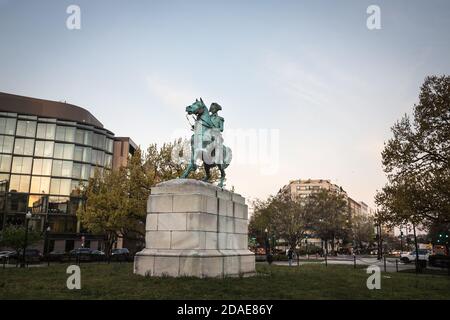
{"x": 206, "y": 142}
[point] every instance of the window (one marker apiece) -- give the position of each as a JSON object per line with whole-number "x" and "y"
{"x": 26, "y": 128}
{"x": 82, "y": 154}
{"x": 5, "y": 162}
{"x": 44, "y": 149}
{"x": 78, "y": 153}
{"x": 60, "y": 186}
{"x": 81, "y": 171}
{"x": 42, "y": 167}
{"x": 62, "y": 168}
{"x": 3, "y": 177}
{"x": 88, "y": 138}
{"x": 57, "y": 205}
{"x": 98, "y": 157}
{"x": 108, "y": 160}
{"x": 38, "y": 203}
{"x": 46, "y": 131}
{"x": 64, "y": 151}
{"x": 109, "y": 145}
{"x": 24, "y": 147}
{"x": 87, "y": 155}
{"x": 7, "y": 126}
{"x": 76, "y": 172}
{"x": 6, "y": 144}
{"x": 40, "y": 185}
{"x": 21, "y": 165}
{"x": 17, "y": 202}
{"x": 79, "y": 136}
{"x": 65, "y": 133}
{"x": 19, "y": 183}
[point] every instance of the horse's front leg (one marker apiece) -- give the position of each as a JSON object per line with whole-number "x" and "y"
{"x": 222, "y": 176}
{"x": 207, "y": 172}
{"x": 192, "y": 166}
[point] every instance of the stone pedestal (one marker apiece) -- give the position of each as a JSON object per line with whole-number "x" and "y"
{"x": 195, "y": 229}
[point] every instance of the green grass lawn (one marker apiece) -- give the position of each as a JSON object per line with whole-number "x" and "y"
{"x": 117, "y": 281}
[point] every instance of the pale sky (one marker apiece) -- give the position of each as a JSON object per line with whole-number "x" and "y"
{"x": 310, "y": 70}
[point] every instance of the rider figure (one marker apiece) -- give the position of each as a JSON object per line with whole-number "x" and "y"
{"x": 215, "y": 118}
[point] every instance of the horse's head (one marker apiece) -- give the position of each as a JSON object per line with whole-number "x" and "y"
{"x": 197, "y": 108}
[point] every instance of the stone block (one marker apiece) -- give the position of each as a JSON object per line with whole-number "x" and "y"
{"x": 224, "y": 194}
{"x": 151, "y": 223}
{"x": 166, "y": 266}
{"x": 172, "y": 221}
{"x": 191, "y": 266}
{"x": 143, "y": 265}
{"x": 185, "y": 186}
{"x": 194, "y": 203}
{"x": 231, "y": 265}
{"x": 201, "y": 222}
{"x": 225, "y": 207}
{"x": 238, "y": 198}
{"x": 188, "y": 240}
{"x": 247, "y": 264}
{"x": 240, "y": 211}
{"x": 226, "y": 224}
{"x": 157, "y": 239}
{"x": 240, "y": 226}
{"x": 211, "y": 240}
{"x": 213, "y": 267}
{"x": 222, "y": 240}
{"x": 159, "y": 203}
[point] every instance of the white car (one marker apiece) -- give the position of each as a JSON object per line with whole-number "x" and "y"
{"x": 411, "y": 256}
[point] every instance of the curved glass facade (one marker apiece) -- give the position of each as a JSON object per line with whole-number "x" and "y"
{"x": 43, "y": 164}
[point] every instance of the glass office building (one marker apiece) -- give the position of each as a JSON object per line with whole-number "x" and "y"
{"x": 48, "y": 151}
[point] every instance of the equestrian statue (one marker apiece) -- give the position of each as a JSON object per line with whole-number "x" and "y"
{"x": 207, "y": 142}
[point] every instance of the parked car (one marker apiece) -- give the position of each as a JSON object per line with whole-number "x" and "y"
{"x": 58, "y": 256}
{"x": 122, "y": 254}
{"x": 31, "y": 255}
{"x": 97, "y": 255}
{"x": 411, "y": 256}
{"x": 82, "y": 254}
{"x": 7, "y": 256}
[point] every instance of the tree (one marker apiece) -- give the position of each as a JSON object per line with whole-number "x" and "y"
{"x": 105, "y": 210}
{"x": 331, "y": 216}
{"x": 283, "y": 218}
{"x": 14, "y": 237}
{"x": 417, "y": 161}
{"x": 363, "y": 230}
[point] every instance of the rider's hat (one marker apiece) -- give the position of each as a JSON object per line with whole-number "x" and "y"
{"x": 215, "y": 107}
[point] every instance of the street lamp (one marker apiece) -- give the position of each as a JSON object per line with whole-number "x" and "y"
{"x": 27, "y": 220}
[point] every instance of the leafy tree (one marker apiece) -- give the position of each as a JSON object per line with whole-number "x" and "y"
{"x": 363, "y": 230}
{"x": 331, "y": 216}
{"x": 106, "y": 207}
{"x": 283, "y": 218}
{"x": 13, "y": 237}
{"x": 417, "y": 161}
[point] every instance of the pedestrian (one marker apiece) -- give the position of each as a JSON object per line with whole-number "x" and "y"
{"x": 290, "y": 255}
